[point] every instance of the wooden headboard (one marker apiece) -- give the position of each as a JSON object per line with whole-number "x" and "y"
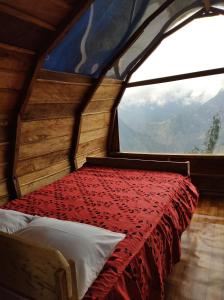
{"x": 35, "y": 272}
{"x": 154, "y": 165}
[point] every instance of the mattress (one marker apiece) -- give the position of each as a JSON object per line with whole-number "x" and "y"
{"x": 151, "y": 208}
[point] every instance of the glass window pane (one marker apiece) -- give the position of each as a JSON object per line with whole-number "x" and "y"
{"x": 195, "y": 47}
{"x": 185, "y": 116}
{"x": 122, "y": 68}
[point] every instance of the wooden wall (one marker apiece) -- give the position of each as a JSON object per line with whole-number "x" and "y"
{"x": 14, "y": 68}
{"x": 95, "y": 121}
{"x": 27, "y": 30}
{"x": 46, "y": 131}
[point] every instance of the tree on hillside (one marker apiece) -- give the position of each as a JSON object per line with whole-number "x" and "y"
{"x": 211, "y": 137}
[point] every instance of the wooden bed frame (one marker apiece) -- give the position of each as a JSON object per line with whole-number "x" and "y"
{"x": 36, "y": 272}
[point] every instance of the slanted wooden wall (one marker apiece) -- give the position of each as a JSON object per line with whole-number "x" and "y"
{"x": 14, "y": 68}
{"x": 95, "y": 121}
{"x": 47, "y": 124}
{"x": 46, "y": 135}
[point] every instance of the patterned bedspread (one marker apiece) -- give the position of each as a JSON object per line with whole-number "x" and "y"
{"x": 151, "y": 208}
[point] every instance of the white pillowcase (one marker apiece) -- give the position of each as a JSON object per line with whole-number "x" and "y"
{"x": 11, "y": 220}
{"x": 88, "y": 246}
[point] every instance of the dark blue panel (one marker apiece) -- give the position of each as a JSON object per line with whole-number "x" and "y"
{"x": 97, "y": 36}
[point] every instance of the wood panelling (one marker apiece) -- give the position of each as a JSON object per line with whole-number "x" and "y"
{"x": 51, "y": 11}
{"x": 29, "y": 36}
{"x": 199, "y": 274}
{"x": 54, "y": 110}
{"x": 93, "y": 134}
{"x": 47, "y": 128}
{"x": 3, "y": 190}
{"x": 3, "y": 171}
{"x": 57, "y": 92}
{"x": 43, "y": 147}
{"x": 32, "y": 186}
{"x": 10, "y": 60}
{"x": 95, "y": 120}
{"x": 27, "y": 31}
{"x": 14, "y": 68}
{"x": 39, "y": 163}
{"x": 100, "y": 106}
{"x": 8, "y": 99}
{"x": 11, "y": 79}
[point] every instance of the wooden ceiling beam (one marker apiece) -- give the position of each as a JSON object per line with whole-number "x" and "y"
{"x": 16, "y": 49}
{"x": 176, "y": 77}
{"x": 7, "y": 9}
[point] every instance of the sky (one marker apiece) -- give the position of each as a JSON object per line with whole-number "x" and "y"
{"x": 197, "y": 46}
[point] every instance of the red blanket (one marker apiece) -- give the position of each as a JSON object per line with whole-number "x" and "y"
{"x": 152, "y": 208}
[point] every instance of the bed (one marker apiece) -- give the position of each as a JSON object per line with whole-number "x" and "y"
{"x": 152, "y": 208}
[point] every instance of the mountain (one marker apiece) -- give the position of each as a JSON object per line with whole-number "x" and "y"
{"x": 174, "y": 127}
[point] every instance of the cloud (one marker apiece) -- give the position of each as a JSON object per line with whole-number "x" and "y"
{"x": 186, "y": 91}
{"x": 195, "y": 47}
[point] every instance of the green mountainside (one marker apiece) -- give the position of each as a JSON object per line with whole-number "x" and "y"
{"x": 172, "y": 128}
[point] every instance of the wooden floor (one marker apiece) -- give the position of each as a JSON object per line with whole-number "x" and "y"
{"x": 200, "y": 273}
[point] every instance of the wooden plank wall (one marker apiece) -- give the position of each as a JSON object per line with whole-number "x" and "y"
{"x": 14, "y": 68}
{"x": 47, "y": 128}
{"x": 27, "y": 29}
{"x": 95, "y": 121}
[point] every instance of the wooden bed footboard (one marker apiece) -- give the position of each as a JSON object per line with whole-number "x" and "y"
{"x": 35, "y": 272}
{"x": 143, "y": 164}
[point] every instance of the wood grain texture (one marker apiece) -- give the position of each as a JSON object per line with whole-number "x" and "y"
{"x": 154, "y": 165}
{"x": 50, "y": 11}
{"x": 7, "y": 9}
{"x": 4, "y": 171}
{"x": 93, "y": 134}
{"x": 57, "y": 92}
{"x": 42, "y": 181}
{"x": 40, "y": 130}
{"x": 45, "y": 146}
{"x": 11, "y": 80}
{"x": 50, "y": 111}
{"x": 8, "y": 100}
{"x": 46, "y": 172}
{"x": 34, "y": 270}
{"x": 30, "y": 165}
{"x": 3, "y": 189}
{"x": 95, "y": 120}
{"x": 29, "y": 36}
{"x": 11, "y": 60}
{"x": 199, "y": 274}
{"x": 4, "y": 148}
{"x": 47, "y": 128}
{"x": 100, "y": 106}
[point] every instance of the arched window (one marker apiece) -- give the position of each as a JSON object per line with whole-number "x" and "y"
{"x": 170, "y": 105}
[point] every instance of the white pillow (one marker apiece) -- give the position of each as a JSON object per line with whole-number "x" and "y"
{"x": 11, "y": 220}
{"x": 88, "y": 246}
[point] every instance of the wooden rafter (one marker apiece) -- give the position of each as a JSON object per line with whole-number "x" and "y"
{"x": 16, "y": 49}
{"x": 177, "y": 77}
{"x": 7, "y": 9}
